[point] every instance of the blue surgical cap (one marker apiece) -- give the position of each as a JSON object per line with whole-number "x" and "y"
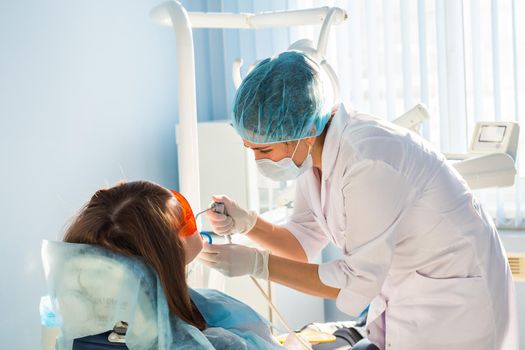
{"x": 282, "y": 99}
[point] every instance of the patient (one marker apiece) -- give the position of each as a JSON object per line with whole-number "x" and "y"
{"x": 146, "y": 221}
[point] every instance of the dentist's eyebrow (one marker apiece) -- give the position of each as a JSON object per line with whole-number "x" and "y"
{"x": 264, "y": 148}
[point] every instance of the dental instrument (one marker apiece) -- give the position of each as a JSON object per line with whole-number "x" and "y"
{"x": 217, "y": 207}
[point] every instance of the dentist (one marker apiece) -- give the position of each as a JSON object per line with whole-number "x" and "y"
{"x": 416, "y": 244}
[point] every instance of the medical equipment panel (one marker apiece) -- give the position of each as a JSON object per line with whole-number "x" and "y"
{"x": 490, "y": 160}
{"x": 495, "y": 137}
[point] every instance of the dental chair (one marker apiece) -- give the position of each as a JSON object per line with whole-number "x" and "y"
{"x": 94, "y": 295}
{"x": 104, "y": 298}
{"x": 100, "y": 298}
{"x": 106, "y": 301}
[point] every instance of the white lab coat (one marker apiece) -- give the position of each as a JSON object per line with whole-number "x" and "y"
{"x": 416, "y": 243}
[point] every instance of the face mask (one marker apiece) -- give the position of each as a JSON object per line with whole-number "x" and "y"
{"x": 285, "y": 169}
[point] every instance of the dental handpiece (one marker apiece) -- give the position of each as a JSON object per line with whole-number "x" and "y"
{"x": 216, "y": 207}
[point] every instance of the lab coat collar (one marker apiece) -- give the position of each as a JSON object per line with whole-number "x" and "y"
{"x": 333, "y": 140}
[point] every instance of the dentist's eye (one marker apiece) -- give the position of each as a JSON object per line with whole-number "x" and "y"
{"x": 265, "y": 151}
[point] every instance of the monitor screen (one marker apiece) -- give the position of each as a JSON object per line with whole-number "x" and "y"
{"x": 492, "y": 133}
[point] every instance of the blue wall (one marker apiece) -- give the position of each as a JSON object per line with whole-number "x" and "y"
{"x": 87, "y": 97}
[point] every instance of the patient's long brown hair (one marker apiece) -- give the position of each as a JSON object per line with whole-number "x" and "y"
{"x": 141, "y": 219}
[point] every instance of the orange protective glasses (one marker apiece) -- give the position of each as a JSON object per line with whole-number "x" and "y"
{"x": 189, "y": 226}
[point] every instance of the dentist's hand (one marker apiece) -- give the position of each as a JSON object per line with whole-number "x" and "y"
{"x": 234, "y": 220}
{"x": 235, "y": 260}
